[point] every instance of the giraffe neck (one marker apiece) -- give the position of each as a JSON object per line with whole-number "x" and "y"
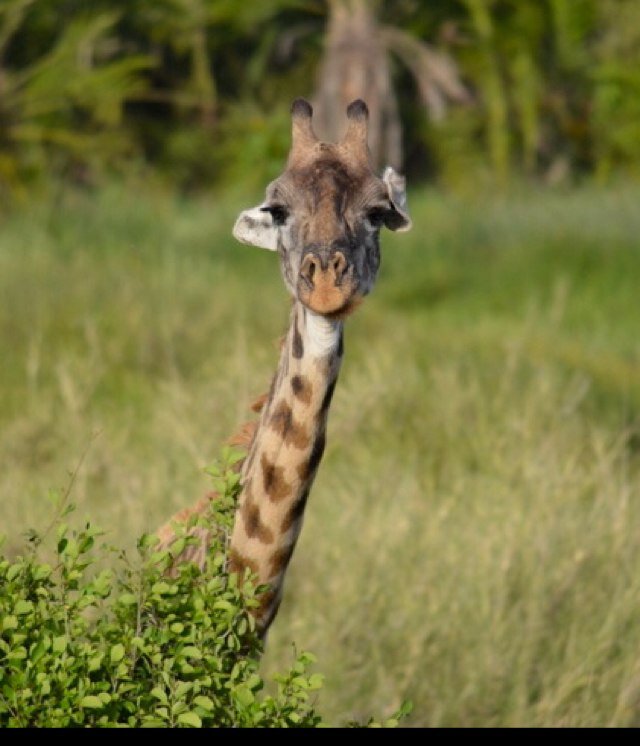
{"x": 285, "y": 454}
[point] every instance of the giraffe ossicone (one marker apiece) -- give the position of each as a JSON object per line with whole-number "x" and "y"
{"x": 323, "y": 216}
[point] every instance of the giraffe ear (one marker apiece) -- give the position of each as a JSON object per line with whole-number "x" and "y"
{"x": 398, "y": 218}
{"x": 255, "y": 227}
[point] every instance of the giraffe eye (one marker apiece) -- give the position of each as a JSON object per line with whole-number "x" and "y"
{"x": 376, "y": 216}
{"x": 279, "y": 214}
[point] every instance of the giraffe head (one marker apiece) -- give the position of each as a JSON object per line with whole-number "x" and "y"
{"x": 323, "y": 215}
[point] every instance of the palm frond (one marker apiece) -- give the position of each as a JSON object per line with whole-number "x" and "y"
{"x": 436, "y": 73}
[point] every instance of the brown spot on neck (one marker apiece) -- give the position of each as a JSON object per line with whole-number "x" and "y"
{"x": 280, "y": 559}
{"x": 326, "y": 400}
{"x": 253, "y": 524}
{"x": 239, "y": 563}
{"x": 297, "y": 347}
{"x": 296, "y": 511}
{"x": 307, "y": 469}
{"x": 291, "y": 431}
{"x": 266, "y": 612}
{"x": 274, "y": 483}
{"x": 302, "y": 389}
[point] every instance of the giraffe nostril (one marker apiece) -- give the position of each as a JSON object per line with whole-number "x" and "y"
{"x": 308, "y": 269}
{"x": 326, "y": 270}
{"x": 340, "y": 265}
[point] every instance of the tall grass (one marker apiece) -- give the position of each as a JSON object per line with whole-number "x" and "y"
{"x": 472, "y": 539}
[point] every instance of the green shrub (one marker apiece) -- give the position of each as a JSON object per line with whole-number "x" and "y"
{"x": 81, "y": 645}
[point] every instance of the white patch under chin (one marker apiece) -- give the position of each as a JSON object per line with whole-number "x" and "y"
{"x": 323, "y": 335}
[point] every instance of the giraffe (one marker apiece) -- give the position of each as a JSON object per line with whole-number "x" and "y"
{"x": 323, "y": 217}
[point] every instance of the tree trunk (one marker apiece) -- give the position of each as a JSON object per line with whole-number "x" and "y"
{"x": 356, "y": 65}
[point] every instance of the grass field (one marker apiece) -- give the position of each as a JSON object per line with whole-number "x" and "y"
{"x": 473, "y": 539}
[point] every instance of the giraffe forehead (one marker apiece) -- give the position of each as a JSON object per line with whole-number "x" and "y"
{"x": 327, "y": 182}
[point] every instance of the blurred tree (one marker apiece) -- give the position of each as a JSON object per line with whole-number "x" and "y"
{"x": 214, "y": 64}
{"x": 200, "y": 88}
{"x": 529, "y": 63}
{"x": 616, "y": 79}
{"x": 356, "y": 64}
{"x": 65, "y": 107}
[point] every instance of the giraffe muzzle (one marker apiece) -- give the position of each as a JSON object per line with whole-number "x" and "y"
{"x": 326, "y": 283}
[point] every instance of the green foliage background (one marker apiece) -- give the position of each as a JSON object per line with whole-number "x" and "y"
{"x": 198, "y": 90}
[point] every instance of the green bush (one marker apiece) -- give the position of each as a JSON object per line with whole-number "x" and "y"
{"x": 82, "y": 645}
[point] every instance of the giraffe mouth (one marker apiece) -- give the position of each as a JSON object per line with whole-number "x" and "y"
{"x": 329, "y": 287}
{"x": 330, "y": 301}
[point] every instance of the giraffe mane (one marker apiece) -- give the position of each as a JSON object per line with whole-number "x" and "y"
{"x": 241, "y": 438}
